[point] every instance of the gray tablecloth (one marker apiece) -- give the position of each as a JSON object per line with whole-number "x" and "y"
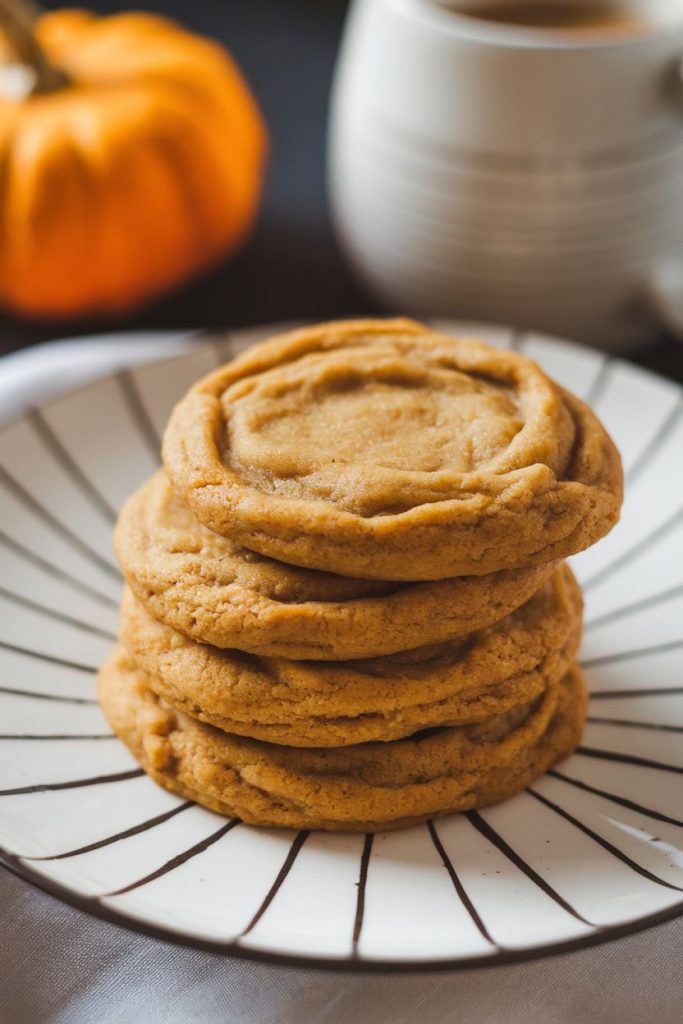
{"x": 60, "y": 966}
{"x": 63, "y": 967}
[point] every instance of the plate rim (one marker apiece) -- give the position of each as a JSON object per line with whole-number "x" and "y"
{"x": 92, "y": 905}
{"x": 210, "y": 338}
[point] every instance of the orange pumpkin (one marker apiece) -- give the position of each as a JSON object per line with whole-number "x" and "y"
{"x": 131, "y": 157}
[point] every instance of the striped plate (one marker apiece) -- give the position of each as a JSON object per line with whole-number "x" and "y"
{"x": 592, "y": 850}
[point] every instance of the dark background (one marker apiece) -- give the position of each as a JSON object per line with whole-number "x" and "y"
{"x": 291, "y": 268}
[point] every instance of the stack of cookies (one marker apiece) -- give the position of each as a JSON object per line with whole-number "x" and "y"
{"x": 348, "y": 607}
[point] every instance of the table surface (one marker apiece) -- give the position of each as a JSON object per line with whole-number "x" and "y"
{"x": 292, "y": 268}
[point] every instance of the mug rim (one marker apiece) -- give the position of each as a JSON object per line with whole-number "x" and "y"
{"x": 517, "y": 37}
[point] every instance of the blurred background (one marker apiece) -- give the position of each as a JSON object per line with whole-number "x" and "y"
{"x": 291, "y": 267}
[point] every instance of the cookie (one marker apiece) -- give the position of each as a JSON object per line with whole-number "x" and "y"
{"x": 382, "y": 450}
{"x": 336, "y": 704}
{"x": 362, "y": 788}
{"x": 211, "y": 589}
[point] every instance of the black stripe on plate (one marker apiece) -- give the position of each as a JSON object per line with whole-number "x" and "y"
{"x": 360, "y": 896}
{"x": 96, "y": 780}
{"x": 47, "y": 696}
{"x": 177, "y": 861}
{"x": 53, "y": 570}
{"x": 656, "y": 441}
{"x": 222, "y": 344}
{"x": 66, "y": 460}
{"x": 643, "y": 762}
{"x": 293, "y": 853}
{"x": 614, "y": 850}
{"x": 635, "y": 606}
{"x": 660, "y": 691}
{"x": 59, "y": 736}
{"x": 634, "y": 552}
{"x": 56, "y": 525}
{"x": 600, "y": 382}
{"x": 621, "y": 800}
{"x": 26, "y": 602}
{"x": 135, "y": 830}
{"x": 458, "y": 886}
{"x": 222, "y": 348}
{"x": 639, "y": 652}
{"x": 516, "y": 341}
{"x": 626, "y": 724}
{"x": 139, "y": 414}
{"x": 497, "y": 840}
{"x": 51, "y": 658}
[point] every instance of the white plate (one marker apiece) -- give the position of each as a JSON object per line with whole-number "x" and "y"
{"x": 591, "y": 851}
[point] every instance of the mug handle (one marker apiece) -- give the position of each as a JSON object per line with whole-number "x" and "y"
{"x": 664, "y": 296}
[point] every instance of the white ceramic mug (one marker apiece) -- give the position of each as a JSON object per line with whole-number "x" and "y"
{"x": 497, "y": 172}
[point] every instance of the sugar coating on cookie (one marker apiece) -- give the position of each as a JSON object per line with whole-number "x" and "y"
{"x": 383, "y": 450}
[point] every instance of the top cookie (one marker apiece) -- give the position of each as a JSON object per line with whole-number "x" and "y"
{"x": 382, "y": 450}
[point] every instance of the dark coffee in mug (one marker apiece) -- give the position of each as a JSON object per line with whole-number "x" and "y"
{"x": 562, "y": 16}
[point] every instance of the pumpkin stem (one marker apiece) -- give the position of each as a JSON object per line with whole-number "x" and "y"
{"x": 17, "y": 19}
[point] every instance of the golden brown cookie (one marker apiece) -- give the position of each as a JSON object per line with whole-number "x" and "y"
{"x": 342, "y": 703}
{"x": 213, "y": 590}
{"x": 364, "y": 788}
{"x": 382, "y": 450}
